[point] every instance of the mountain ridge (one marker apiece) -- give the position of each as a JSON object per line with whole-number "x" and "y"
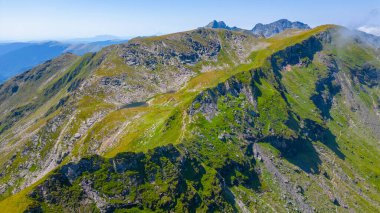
{"x": 16, "y": 58}
{"x": 232, "y": 147}
{"x": 264, "y": 30}
{"x": 271, "y": 29}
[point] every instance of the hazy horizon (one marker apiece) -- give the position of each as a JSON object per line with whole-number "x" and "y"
{"x": 40, "y": 20}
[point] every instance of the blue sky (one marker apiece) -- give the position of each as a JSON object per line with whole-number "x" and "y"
{"x": 64, "y": 19}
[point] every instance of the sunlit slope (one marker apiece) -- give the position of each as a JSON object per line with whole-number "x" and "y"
{"x": 61, "y": 102}
{"x": 292, "y": 126}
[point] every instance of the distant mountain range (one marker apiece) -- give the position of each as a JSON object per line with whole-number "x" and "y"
{"x": 264, "y": 30}
{"x": 18, "y": 57}
{"x": 268, "y": 30}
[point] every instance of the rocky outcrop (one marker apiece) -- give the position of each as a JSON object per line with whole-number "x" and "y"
{"x": 298, "y": 54}
{"x": 367, "y": 75}
{"x": 206, "y": 102}
{"x": 163, "y": 178}
{"x": 165, "y": 63}
{"x": 175, "y": 50}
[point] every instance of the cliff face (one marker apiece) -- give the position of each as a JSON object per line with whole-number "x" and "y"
{"x": 162, "y": 179}
{"x": 244, "y": 124}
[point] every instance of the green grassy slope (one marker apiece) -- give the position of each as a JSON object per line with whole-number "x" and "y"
{"x": 44, "y": 137}
{"x": 293, "y": 127}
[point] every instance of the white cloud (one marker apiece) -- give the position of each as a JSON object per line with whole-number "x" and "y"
{"x": 370, "y": 29}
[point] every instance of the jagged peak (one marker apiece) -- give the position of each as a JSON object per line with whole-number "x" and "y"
{"x": 284, "y": 22}
{"x": 271, "y": 29}
{"x": 217, "y": 25}
{"x": 265, "y": 30}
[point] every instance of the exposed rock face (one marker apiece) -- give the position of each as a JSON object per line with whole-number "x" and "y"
{"x": 217, "y": 25}
{"x": 207, "y": 101}
{"x": 137, "y": 53}
{"x": 367, "y": 75}
{"x": 158, "y": 180}
{"x": 269, "y": 30}
{"x": 297, "y": 54}
{"x": 160, "y": 64}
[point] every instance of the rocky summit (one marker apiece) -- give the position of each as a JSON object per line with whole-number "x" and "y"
{"x": 208, "y": 120}
{"x": 217, "y": 25}
{"x": 269, "y": 30}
